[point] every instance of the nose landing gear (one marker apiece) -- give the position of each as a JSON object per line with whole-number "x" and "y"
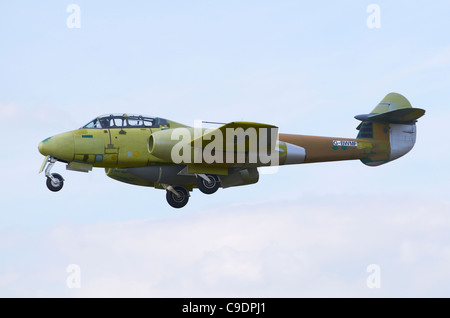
{"x": 55, "y": 181}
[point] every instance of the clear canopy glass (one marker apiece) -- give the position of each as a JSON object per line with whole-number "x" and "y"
{"x": 126, "y": 121}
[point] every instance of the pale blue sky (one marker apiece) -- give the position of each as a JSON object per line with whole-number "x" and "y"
{"x": 307, "y": 67}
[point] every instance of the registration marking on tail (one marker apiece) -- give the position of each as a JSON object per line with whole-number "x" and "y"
{"x": 345, "y": 143}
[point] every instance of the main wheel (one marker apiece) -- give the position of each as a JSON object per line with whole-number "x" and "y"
{"x": 177, "y": 201}
{"x": 56, "y": 184}
{"x": 208, "y": 187}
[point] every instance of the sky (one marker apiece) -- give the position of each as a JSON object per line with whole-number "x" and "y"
{"x": 338, "y": 229}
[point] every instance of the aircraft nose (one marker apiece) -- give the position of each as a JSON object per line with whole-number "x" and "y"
{"x": 60, "y": 146}
{"x": 41, "y": 148}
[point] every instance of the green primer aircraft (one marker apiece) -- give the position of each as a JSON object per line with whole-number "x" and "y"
{"x": 164, "y": 154}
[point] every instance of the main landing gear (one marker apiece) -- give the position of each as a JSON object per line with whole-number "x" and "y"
{"x": 178, "y": 196}
{"x": 208, "y": 183}
{"x": 55, "y": 181}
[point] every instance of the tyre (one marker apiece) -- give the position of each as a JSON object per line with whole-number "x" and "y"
{"x": 56, "y": 184}
{"x": 177, "y": 201}
{"x": 208, "y": 187}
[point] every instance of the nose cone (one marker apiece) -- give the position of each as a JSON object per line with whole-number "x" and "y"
{"x": 42, "y": 149}
{"x": 60, "y": 146}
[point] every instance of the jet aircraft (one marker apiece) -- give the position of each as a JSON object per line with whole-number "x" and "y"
{"x": 164, "y": 154}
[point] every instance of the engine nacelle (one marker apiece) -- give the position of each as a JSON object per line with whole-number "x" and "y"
{"x": 160, "y": 144}
{"x": 290, "y": 154}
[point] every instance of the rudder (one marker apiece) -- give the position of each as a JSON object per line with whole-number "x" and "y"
{"x": 392, "y": 124}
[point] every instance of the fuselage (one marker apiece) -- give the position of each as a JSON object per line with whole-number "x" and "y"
{"x": 122, "y": 141}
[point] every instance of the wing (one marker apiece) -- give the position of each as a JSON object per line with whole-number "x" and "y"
{"x": 236, "y": 136}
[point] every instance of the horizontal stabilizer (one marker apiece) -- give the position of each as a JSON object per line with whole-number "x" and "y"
{"x": 398, "y": 116}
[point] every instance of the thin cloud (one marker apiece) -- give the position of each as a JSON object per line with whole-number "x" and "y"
{"x": 279, "y": 249}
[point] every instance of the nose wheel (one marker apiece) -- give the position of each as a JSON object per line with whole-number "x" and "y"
{"x": 55, "y": 182}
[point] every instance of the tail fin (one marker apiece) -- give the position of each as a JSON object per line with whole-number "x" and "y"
{"x": 392, "y": 124}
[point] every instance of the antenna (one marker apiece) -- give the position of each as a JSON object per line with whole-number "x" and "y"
{"x": 212, "y": 122}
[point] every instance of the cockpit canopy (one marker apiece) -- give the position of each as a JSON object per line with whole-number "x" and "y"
{"x": 126, "y": 121}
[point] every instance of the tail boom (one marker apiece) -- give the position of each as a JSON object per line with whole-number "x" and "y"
{"x": 323, "y": 149}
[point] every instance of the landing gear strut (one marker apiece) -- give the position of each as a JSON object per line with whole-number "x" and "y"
{"x": 55, "y": 181}
{"x": 177, "y": 196}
